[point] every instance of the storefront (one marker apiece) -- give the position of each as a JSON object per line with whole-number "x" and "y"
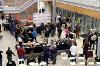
{"x": 86, "y": 22}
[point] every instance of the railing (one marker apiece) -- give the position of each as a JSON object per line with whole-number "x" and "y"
{"x": 7, "y": 9}
{"x": 19, "y": 9}
{"x": 92, "y": 3}
{"x": 86, "y": 4}
{"x": 27, "y": 4}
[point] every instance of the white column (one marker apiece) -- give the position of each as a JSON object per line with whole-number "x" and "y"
{"x": 15, "y": 3}
{"x": 97, "y": 3}
{"x": 47, "y": 7}
{"x": 2, "y": 2}
{"x": 40, "y": 5}
{"x": 53, "y": 11}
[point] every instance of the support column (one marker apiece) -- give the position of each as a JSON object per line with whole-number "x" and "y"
{"x": 40, "y": 5}
{"x": 2, "y": 4}
{"x": 53, "y": 11}
{"x": 15, "y": 3}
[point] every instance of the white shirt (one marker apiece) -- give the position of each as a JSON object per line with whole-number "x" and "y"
{"x": 93, "y": 37}
{"x": 19, "y": 39}
{"x": 73, "y": 50}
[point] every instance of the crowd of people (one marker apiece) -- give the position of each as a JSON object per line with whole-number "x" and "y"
{"x": 28, "y": 33}
{"x": 89, "y": 43}
{"x": 26, "y": 36}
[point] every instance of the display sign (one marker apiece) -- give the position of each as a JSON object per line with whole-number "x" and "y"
{"x": 39, "y": 18}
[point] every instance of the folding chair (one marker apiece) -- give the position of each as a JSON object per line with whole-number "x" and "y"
{"x": 21, "y": 61}
{"x": 63, "y": 54}
{"x": 22, "y": 65}
{"x": 43, "y": 64}
{"x": 91, "y": 61}
{"x": 64, "y": 61}
{"x": 33, "y": 64}
{"x": 81, "y": 60}
{"x": 72, "y": 63}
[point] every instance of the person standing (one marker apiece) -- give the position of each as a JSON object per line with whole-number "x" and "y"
{"x": 73, "y": 50}
{"x": 46, "y": 53}
{"x": 77, "y": 30}
{"x": 0, "y": 28}
{"x": 1, "y": 58}
{"x": 67, "y": 32}
{"x": 9, "y": 54}
{"x": 85, "y": 49}
{"x": 92, "y": 41}
{"x": 59, "y": 31}
{"x": 21, "y": 52}
{"x": 2, "y": 17}
{"x": 53, "y": 53}
{"x": 26, "y": 38}
{"x": 34, "y": 34}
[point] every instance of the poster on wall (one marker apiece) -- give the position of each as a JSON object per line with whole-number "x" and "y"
{"x": 39, "y": 18}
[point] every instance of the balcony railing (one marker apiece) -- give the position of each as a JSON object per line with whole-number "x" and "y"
{"x": 18, "y": 9}
{"x": 92, "y": 3}
{"x": 89, "y": 4}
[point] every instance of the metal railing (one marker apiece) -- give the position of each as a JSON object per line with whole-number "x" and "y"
{"x": 86, "y": 4}
{"x": 27, "y": 4}
{"x": 19, "y": 9}
{"x": 92, "y": 3}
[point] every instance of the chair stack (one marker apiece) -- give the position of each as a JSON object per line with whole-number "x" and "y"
{"x": 64, "y": 58}
{"x": 22, "y": 65}
{"x": 81, "y": 61}
{"x": 91, "y": 61}
{"x": 21, "y": 61}
{"x": 43, "y": 64}
{"x": 33, "y": 64}
{"x": 72, "y": 63}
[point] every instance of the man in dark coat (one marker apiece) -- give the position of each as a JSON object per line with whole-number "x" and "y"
{"x": 1, "y": 58}
{"x": 46, "y": 53}
{"x": 53, "y": 53}
{"x": 2, "y": 17}
{"x": 9, "y": 54}
{"x": 59, "y": 31}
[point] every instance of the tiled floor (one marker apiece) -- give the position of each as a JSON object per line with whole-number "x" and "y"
{"x": 9, "y": 41}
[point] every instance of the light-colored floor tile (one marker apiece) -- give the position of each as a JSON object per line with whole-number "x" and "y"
{"x": 9, "y": 41}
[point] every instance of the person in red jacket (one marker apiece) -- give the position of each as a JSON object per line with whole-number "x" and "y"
{"x": 21, "y": 52}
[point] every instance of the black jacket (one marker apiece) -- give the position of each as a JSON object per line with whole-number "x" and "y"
{"x": 1, "y": 54}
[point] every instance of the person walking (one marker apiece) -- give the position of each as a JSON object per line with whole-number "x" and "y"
{"x": 9, "y": 54}
{"x": 11, "y": 63}
{"x": 59, "y": 31}
{"x": 1, "y": 58}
